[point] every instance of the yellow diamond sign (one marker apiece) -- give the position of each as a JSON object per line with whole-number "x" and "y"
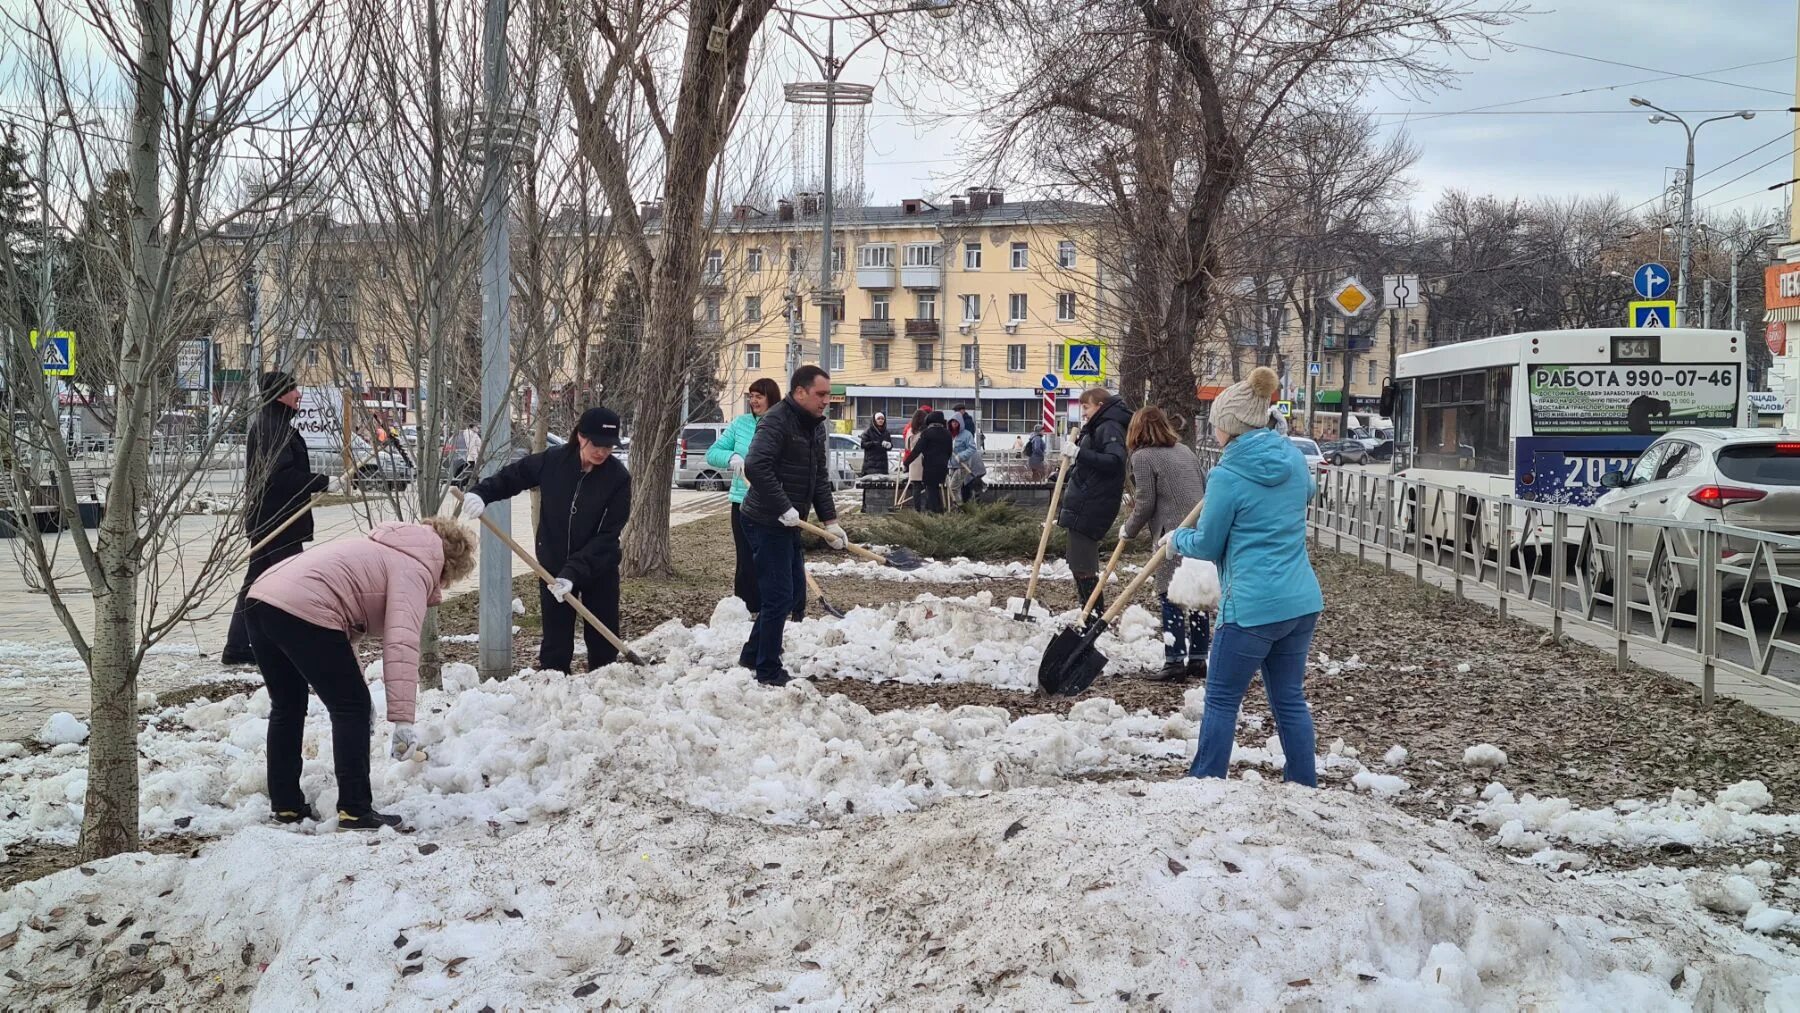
{"x": 1350, "y": 297}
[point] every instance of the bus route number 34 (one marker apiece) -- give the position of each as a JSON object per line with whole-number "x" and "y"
{"x": 1586, "y": 471}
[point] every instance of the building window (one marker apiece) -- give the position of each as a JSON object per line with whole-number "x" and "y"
{"x": 380, "y": 354}
{"x": 874, "y": 256}
{"x": 1021, "y": 256}
{"x": 1012, "y": 415}
{"x": 1015, "y": 358}
{"x": 927, "y": 306}
{"x": 715, "y": 262}
{"x": 969, "y": 359}
{"x": 753, "y": 309}
{"x": 1371, "y": 371}
{"x": 1329, "y": 366}
{"x": 1015, "y": 307}
{"x": 922, "y": 254}
{"x": 346, "y": 357}
{"x": 1065, "y": 253}
{"x": 927, "y": 352}
{"x": 837, "y": 358}
{"x": 752, "y": 356}
{"x": 878, "y": 355}
{"x": 971, "y": 307}
{"x": 793, "y": 260}
{"x": 971, "y": 256}
{"x": 879, "y": 306}
{"x": 753, "y": 260}
{"x": 712, "y": 309}
{"x": 835, "y": 311}
{"x": 312, "y": 357}
{"x": 1412, "y": 332}
{"x": 1065, "y": 306}
{"x": 837, "y": 260}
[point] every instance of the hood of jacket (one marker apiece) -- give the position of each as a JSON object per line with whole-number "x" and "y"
{"x": 1114, "y": 409}
{"x": 417, "y": 541}
{"x": 1263, "y": 456}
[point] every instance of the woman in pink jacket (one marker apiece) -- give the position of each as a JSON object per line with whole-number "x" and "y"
{"x": 304, "y": 614}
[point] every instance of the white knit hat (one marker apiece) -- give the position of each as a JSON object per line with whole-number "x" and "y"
{"x": 1244, "y": 405}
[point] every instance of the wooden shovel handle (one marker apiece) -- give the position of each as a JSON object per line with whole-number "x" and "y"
{"x": 1044, "y": 536}
{"x": 1156, "y": 560}
{"x": 849, "y": 546}
{"x": 1111, "y": 565}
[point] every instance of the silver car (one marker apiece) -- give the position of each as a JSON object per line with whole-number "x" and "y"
{"x": 693, "y": 472}
{"x": 389, "y": 469}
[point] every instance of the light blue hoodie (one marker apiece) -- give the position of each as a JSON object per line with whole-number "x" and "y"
{"x": 734, "y": 440}
{"x": 1254, "y": 528}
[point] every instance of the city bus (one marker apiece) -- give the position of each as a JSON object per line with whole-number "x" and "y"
{"x": 1543, "y": 415}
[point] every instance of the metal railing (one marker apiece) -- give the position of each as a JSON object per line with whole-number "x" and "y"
{"x": 1713, "y": 593}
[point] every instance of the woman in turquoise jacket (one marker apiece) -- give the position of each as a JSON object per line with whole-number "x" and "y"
{"x": 1253, "y": 527}
{"x": 728, "y": 452}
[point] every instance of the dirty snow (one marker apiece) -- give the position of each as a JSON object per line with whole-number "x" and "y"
{"x": 953, "y": 571}
{"x": 1682, "y": 819}
{"x": 1195, "y": 585}
{"x": 63, "y": 727}
{"x": 1485, "y": 755}
{"x": 1395, "y": 756}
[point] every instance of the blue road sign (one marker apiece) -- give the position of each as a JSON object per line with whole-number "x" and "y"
{"x": 1653, "y": 314}
{"x": 1312, "y": 369}
{"x": 1050, "y": 382}
{"x": 1651, "y": 281}
{"x": 1085, "y": 362}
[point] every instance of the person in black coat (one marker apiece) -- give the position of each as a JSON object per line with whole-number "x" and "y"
{"x": 1096, "y": 483}
{"x": 278, "y": 482}
{"x": 586, "y": 500}
{"x": 876, "y": 442}
{"x": 934, "y": 449}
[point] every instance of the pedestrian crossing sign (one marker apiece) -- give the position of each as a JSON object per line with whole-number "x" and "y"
{"x": 1084, "y": 362}
{"x": 56, "y": 353}
{"x": 1657, "y": 313}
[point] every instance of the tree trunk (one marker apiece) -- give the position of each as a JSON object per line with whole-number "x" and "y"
{"x": 668, "y": 344}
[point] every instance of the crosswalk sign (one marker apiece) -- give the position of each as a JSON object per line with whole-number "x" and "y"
{"x": 1084, "y": 362}
{"x": 1657, "y": 313}
{"x": 56, "y": 353}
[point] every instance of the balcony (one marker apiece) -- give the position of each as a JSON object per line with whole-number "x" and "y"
{"x": 922, "y": 276}
{"x": 712, "y": 277}
{"x": 881, "y": 276}
{"x": 873, "y": 327}
{"x": 924, "y": 330}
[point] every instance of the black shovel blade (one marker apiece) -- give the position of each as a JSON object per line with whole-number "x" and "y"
{"x": 904, "y": 559}
{"x": 829, "y": 609}
{"x": 1071, "y": 660}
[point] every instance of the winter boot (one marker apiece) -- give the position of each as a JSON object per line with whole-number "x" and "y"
{"x": 1174, "y": 625}
{"x": 367, "y": 820}
{"x": 1084, "y": 588}
{"x": 292, "y": 816}
{"x": 776, "y": 681}
{"x": 1199, "y": 645}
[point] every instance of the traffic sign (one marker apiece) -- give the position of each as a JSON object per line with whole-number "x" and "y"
{"x": 1400, "y": 291}
{"x": 1084, "y": 362}
{"x": 1312, "y": 369}
{"x": 193, "y": 364}
{"x": 1050, "y": 382}
{"x": 1659, "y": 313}
{"x": 1651, "y": 281}
{"x": 1286, "y": 408}
{"x": 57, "y": 354}
{"x": 1350, "y": 297}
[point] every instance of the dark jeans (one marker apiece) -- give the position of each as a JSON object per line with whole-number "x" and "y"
{"x": 928, "y": 498}
{"x": 237, "y": 637}
{"x": 743, "y": 579}
{"x": 1189, "y": 633}
{"x": 556, "y": 652}
{"x": 294, "y": 654}
{"x": 1279, "y": 650}
{"x": 971, "y": 490}
{"x": 781, "y": 579}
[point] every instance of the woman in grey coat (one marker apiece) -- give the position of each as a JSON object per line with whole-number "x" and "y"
{"x": 1169, "y": 482}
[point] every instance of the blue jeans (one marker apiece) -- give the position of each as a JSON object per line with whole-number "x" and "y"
{"x": 1279, "y": 650}
{"x": 781, "y": 581}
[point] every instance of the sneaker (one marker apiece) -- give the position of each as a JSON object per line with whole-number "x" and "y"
{"x": 292, "y": 816}
{"x": 1172, "y": 671}
{"x": 747, "y": 660}
{"x": 370, "y": 820}
{"x": 777, "y": 680}
{"x": 234, "y": 659}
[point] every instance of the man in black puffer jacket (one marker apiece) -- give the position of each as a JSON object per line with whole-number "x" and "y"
{"x": 787, "y": 472}
{"x": 1096, "y": 483}
{"x": 586, "y": 500}
{"x": 279, "y": 482}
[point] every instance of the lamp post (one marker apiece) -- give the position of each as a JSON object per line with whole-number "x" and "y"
{"x": 1687, "y": 187}
{"x": 830, "y": 94}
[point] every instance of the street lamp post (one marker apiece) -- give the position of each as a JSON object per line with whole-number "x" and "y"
{"x": 1687, "y": 187}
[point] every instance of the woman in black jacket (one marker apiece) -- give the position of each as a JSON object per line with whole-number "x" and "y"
{"x": 278, "y": 482}
{"x": 933, "y": 450}
{"x": 875, "y": 446}
{"x": 1096, "y": 484}
{"x": 586, "y": 500}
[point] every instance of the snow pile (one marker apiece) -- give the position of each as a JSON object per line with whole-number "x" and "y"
{"x": 1485, "y": 756}
{"x": 955, "y": 571}
{"x": 1395, "y": 756}
{"x": 1084, "y": 894}
{"x": 1726, "y": 894}
{"x": 1680, "y": 820}
{"x": 1195, "y": 585}
{"x": 63, "y": 728}
{"x": 1745, "y": 797}
{"x": 1384, "y": 785}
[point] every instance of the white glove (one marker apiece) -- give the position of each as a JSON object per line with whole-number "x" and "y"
{"x": 1167, "y": 543}
{"x": 1070, "y": 449}
{"x": 838, "y": 538}
{"x": 791, "y": 518}
{"x": 737, "y": 464}
{"x": 561, "y": 586}
{"x": 887, "y": 444}
{"x": 472, "y": 506}
{"x": 334, "y": 484}
{"x": 406, "y": 738}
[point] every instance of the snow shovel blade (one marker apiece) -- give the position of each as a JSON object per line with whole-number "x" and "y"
{"x": 1071, "y": 660}
{"x": 904, "y": 559}
{"x": 828, "y": 608}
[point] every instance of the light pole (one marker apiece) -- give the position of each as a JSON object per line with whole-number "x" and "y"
{"x": 830, "y": 94}
{"x": 1687, "y": 187}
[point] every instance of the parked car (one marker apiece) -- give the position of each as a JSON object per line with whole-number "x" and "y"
{"x": 1745, "y": 478}
{"x": 1309, "y": 450}
{"x": 456, "y": 454}
{"x": 389, "y": 469}
{"x": 1342, "y": 452}
{"x": 843, "y": 453}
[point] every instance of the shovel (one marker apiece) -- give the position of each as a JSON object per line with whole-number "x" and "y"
{"x": 575, "y": 603}
{"x": 824, "y": 606}
{"x": 1021, "y": 607}
{"x": 1072, "y": 661}
{"x": 899, "y": 559}
{"x": 1100, "y": 587}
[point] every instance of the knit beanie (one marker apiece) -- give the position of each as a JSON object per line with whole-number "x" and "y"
{"x": 1245, "y": 405}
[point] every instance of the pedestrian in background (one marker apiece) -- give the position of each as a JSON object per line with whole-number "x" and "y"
{"x": 876, "y": 442}
{"x": 1034, "y": 454}
{"x": 305, "y": 615}
{"x": 932, "y": 449}
{"x": 278, "y": 483}
{"x": 1169, "y": 480}
{"x": 1254, "y": 528}
{"x": 966, "y": 445}
{"x": 586, "y": 500}
{"x": 727, "y": 453}
{"x": 1096, "y": 484}
{"x": 915, "y": 467}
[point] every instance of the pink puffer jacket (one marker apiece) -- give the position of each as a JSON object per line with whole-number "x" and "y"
{"x": 379, "y": 585}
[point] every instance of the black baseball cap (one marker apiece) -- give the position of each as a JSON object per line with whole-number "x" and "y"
{"x": 600, "y": 426}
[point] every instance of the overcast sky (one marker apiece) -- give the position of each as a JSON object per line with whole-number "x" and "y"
{"x": 1547, "y": 145}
